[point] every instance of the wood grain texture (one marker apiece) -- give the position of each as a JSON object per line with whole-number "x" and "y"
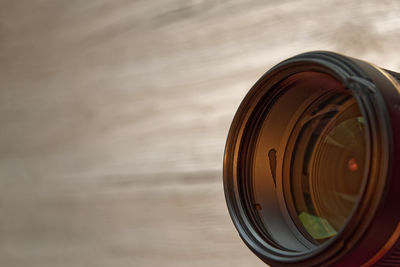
{"x": 114, "y": 116}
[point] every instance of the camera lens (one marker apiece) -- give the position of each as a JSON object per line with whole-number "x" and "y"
{"x": 309, "y": 169}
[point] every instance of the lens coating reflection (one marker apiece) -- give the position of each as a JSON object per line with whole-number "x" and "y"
{"x": 328, "y": 166}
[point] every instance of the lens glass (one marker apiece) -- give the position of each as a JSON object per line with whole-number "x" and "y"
{"x": 327, "y": 165}
{"x": 306, "y": 160}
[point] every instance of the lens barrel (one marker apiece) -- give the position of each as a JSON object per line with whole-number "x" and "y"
{"x": 312, "y": 164}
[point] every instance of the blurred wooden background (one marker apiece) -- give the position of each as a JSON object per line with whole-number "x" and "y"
{"x": 114, "y": 116}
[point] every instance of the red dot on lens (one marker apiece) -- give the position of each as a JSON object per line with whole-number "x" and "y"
{"x": 352, "y": 164}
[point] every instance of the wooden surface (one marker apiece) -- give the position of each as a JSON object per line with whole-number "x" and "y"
{"x": 114, "y": 116}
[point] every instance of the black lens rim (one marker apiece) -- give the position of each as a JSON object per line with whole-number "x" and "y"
{"x": 356, "y": 78}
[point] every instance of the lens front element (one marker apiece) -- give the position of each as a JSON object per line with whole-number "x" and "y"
{"x": 327, "y": 167}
